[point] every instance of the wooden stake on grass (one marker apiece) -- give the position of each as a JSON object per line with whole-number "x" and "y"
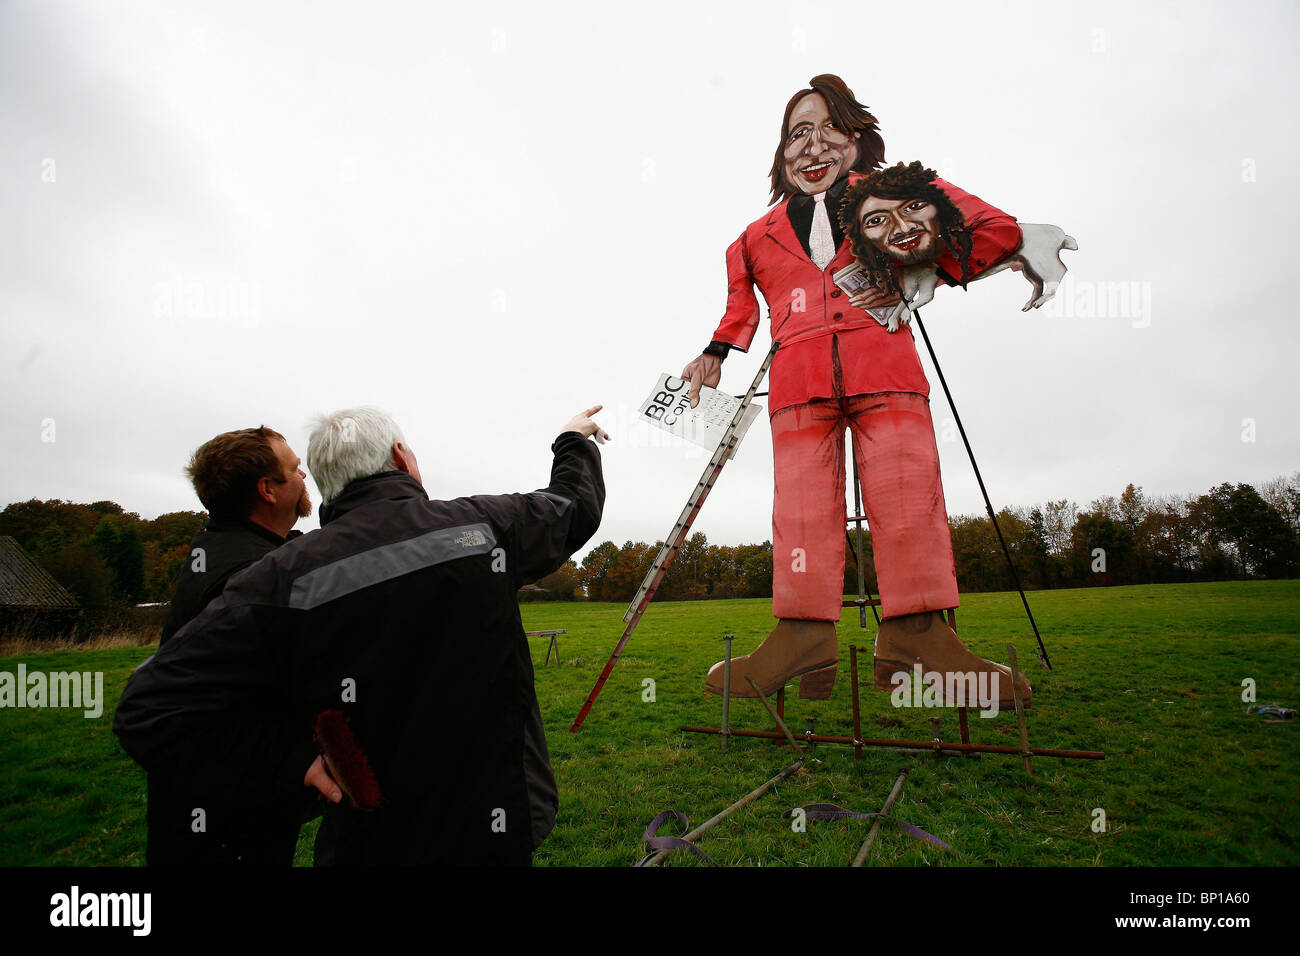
{"x": 1020, "y": 713}
{"x": 747, "y": 799}
{"x": 775, "y": 716}
{"x": 861, "y": 858}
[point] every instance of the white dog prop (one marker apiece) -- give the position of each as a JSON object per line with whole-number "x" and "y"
{"x": 1039, "y": 258}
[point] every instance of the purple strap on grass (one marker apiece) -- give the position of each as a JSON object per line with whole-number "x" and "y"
{"x": 829, "y": 811}
{"x": 657, "y": 843}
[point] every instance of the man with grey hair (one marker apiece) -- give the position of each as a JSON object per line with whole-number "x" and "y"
{"x": 352, "y": 444}
{"x": 400, "y": 612}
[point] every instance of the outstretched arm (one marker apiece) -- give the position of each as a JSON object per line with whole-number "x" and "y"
{"x": 544, "y": 528}
{"x": 738, "y": 325}
{"x": 1039, "y": 258}
{"x": 998, "y": 243}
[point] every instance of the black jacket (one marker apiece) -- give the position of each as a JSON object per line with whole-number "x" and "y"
{"x": 218, "y": 551}
{"x": 400, "y": 612}
{"x": 232, "y": 835}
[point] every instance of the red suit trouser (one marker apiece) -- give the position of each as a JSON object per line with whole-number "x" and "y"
{"x": 898, "y": 466}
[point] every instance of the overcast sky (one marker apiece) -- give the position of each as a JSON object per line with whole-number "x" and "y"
{"x": 484, "y": 217}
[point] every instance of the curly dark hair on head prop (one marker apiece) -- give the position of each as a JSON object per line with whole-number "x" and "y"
{"x": 912, "y": 181}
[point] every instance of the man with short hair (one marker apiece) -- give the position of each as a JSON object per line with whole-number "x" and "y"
{"x": 401, "y": 613}
{"x": 252, "y": 485}
{"x": 253, "y": 488}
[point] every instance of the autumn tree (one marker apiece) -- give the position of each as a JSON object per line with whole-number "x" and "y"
{"x": 595, "y": 570}
{"x": 1283, "y": 495}
{"x": 978, "y": 559}
{"x": 118, "y": 543}
{"x": 563, "y": 584}
{"x": 1102, "y": 545}
{"x": 687, "y": 577}
{"x": 1238, "y": 522}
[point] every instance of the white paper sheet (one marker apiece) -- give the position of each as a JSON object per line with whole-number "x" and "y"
{"x": 669, "y": 408}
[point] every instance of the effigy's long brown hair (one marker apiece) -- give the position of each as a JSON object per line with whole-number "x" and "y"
{"x": 847, "y": 113}
{"x": 912, "y": 181}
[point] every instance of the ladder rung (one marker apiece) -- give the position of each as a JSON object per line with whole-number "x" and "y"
{"x": 862, "y": 602}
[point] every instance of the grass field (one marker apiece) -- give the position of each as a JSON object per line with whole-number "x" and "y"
{"x": 1151, "y": 675}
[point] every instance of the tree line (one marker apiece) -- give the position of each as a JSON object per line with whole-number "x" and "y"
{"x": 109, "y": 557}
{"x": 105, "y": 555}
{"x": 1230, "y": 532}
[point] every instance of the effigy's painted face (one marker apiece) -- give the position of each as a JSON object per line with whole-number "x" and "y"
{"x": 906, "y": 230}
{"x": 817, "y": 153}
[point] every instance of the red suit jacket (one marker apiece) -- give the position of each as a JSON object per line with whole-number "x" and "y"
{"x": 807, "y": 308}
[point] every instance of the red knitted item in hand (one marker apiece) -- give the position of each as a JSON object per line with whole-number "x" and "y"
{"x": 345, "y": 760}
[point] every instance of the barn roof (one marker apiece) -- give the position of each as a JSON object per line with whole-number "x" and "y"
{"x": 24, "y": 583}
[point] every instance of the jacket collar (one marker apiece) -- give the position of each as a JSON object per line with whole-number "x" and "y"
{"x": 778, "y": 224}
{"x": 834, "y": 195}
{"x": 384, "y": 486}
{"x": 226, "y": 525}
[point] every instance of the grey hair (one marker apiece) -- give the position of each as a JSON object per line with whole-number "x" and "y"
{"x": 350, "y": 444}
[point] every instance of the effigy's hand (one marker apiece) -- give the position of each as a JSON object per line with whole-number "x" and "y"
{"x": 872, "y": 298}
{"x": 918, "y": 284}
{"x": 1039, "y": 258}
{"x": 705, "y": 370}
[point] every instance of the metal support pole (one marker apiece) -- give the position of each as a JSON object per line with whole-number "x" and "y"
{"x": 857, "y": 714}
{"x": 726, "y": 692}
{"x": 1025, "y": 752}
{"x": 962, "y": 725}
{"x": 861, "y": 858}
{"x": 775, "y": 716}
{"x": 860, "y": 550}
{"x": 924, "y": 745}
{"x": 780, "y": 709}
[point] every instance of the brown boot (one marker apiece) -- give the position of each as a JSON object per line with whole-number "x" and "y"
{"x": 807, "y": 649}
{"x": 926, "y": 639}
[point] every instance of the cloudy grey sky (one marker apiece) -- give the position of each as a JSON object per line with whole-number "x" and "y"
{"x": 484, "y": 217}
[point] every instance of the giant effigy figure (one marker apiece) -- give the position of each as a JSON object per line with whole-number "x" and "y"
{"x": 838, "y": 367}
